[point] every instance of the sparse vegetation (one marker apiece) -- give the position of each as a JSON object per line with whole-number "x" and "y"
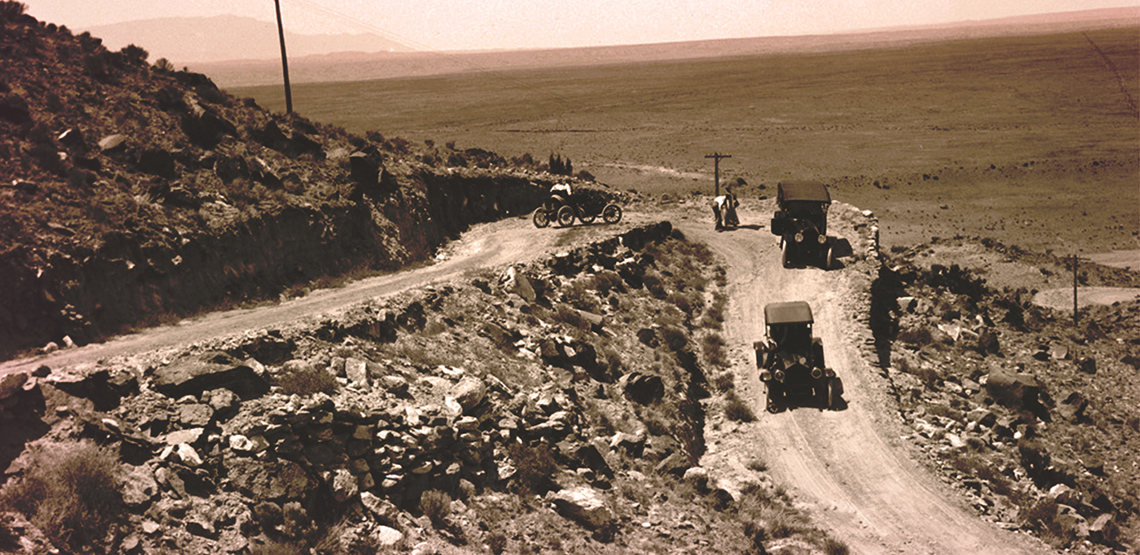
{"x": 70, "y": 492}
{"x": 535, "y": 465}
{"x": 306, "y": 380}
{"x": 737, "y": 410}
{"x": 436, "y": 505}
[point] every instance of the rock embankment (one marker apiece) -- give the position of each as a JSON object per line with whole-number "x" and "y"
{"x": 135, "y": 194}
{"x": 429, "y": 419}
{"x": 1031, "y": 415}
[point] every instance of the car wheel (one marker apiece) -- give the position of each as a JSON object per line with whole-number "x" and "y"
{"x": 541, "y": 218}
{"x": 832, "y": 394}
{"x": 775, "y": 399}
{"x": 565, "y": 216}
{"x": 784, "y": 256}
{"x": 587, "y": 218}
{"x": 829, "y": 258}
{"x": 611, "y": 214}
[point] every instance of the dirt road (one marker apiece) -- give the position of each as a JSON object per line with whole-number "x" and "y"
{"x": 507, "y": 241}
{"x": 849, "y": 466}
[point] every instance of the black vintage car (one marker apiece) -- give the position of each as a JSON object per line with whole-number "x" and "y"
{"x": 801, "y": 223}
{"x": 790, "y": 360}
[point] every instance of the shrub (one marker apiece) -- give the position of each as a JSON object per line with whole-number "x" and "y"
{"x": 135, "y": 54}
{"x": 674, "y": 338}
{"x": 497, "y": 542}
{"x": 11, "y": 10}
{"x": 757, "y": 465}
{"x": 737, "y": 410}
{"x": 275, "y": 548}
{"x": 835, "y": 547}
{"x": 724, "y": 382}
{"x": 70, "y": 492}
{"x": 714, "y": 350}
{"x": 714, "y": 315}
{"x": 436, "y": 505}
{"x": 535, "y": 466}
{"x": 920, "y": 336}
{"x": 306, "y": 379}
{"x": 580, "y": 296}
{"x": 571, "y": 317}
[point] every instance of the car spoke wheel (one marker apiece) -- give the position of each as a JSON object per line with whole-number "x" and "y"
{"x": 565, "y": 216}
{"x": 611, "y": 214}
{"x": 784, "y": 256}
{"x": 541, "y": 218}
{"x": 587, "y": 218}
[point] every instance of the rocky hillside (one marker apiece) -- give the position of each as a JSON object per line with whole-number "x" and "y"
{"x": 1032, "y": 416}
{"x": 134, "y": 194}
{"x": 554, "y": 407}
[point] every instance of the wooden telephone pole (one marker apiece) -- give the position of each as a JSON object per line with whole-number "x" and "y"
{"x": 284, "y": 59}
{"x": 716, "y": 156}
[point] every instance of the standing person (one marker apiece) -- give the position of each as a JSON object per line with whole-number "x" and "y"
{"x": 718, "y": 205}
{"x": 724, "y": 210}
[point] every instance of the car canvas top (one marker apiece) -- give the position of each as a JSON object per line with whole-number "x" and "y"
{"x": 814, "y": 191}
{"x": 795, "y": 312}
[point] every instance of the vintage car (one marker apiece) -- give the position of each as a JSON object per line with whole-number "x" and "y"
{"x": 790, "y": 360}
{"x": 801, "y": 222}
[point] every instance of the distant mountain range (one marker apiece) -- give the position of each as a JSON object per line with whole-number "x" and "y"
{"x": 238, "y": 51}
{"x": 187, "y": 40}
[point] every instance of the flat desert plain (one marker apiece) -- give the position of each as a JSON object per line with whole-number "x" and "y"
{"x": 1030, "y": 140}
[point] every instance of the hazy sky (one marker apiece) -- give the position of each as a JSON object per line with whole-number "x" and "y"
{"x": 490, "y": 24}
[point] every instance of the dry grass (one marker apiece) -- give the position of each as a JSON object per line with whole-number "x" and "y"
{"x": 70, "y": 492}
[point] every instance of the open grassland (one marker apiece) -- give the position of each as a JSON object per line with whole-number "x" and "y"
{"x": 1032, "y": 140}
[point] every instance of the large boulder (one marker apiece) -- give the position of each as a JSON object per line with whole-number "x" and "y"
{"x": 585, "y": 506}
{"x": 270, "y": 480}
{"x": 1014, "y": 390}
{"x": 196, "y": 375}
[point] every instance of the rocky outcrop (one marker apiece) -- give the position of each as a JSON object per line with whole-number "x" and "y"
{"x": 214, "y": 438}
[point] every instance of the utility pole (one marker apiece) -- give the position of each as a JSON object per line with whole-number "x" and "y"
{"x": 284, "y": 60}
{"x": 716, "y": 156}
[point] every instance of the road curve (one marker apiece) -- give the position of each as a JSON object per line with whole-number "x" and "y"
{"x": 509, "y": 241}
{"x": 849, "y": 466}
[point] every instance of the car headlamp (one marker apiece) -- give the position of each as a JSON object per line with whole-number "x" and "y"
{"x": 816, "y": 373}
{"x": 780, "y": 375}
{"x": 822, "y": 239}
{"x": 799, "y": 237}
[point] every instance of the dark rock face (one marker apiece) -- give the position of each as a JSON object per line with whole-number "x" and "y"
{"x": 198, "y": 375}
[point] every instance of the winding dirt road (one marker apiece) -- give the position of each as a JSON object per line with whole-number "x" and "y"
{"x": 848, "y": 466}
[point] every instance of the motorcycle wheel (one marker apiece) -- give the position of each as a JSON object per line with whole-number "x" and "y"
{"x": 565, "y": 216}
{"x": 541, "y": 218}
{"x": 611, "y": 214}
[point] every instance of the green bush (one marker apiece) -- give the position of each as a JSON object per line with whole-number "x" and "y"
{"x": 70, "y": 492}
